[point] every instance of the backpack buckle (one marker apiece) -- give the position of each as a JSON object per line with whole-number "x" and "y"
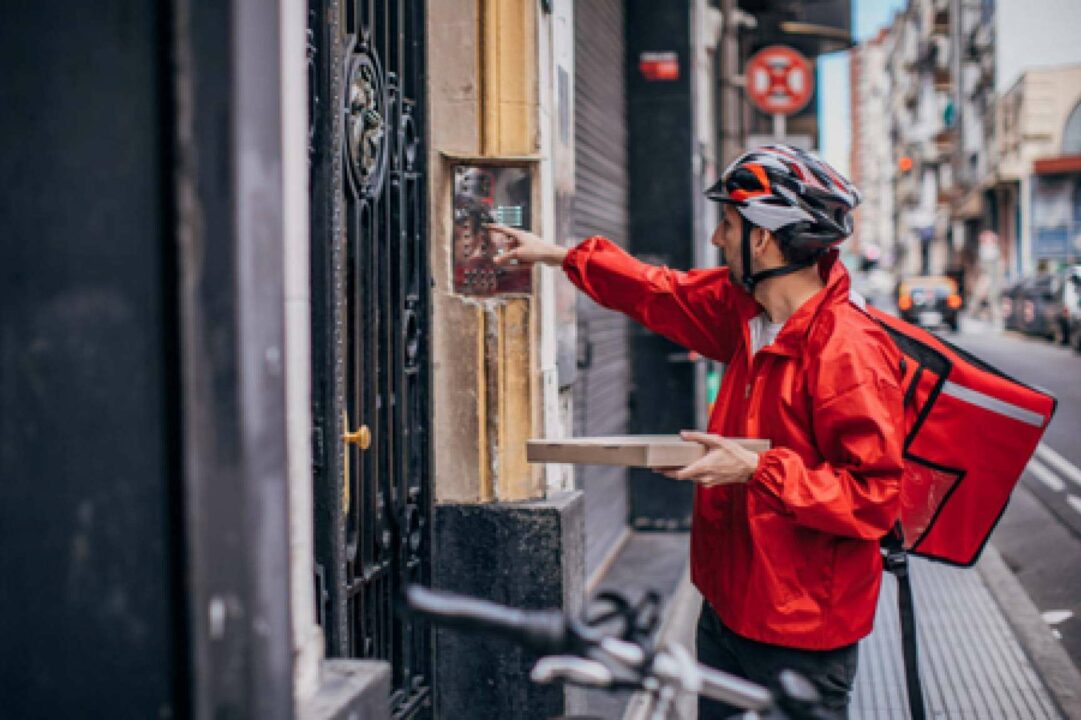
{"x": 896, "y": 562}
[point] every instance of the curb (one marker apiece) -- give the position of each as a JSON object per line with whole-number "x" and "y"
{"x": 1053, "y": 665}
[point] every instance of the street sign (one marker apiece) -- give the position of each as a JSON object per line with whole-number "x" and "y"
{"x": 803, "y": 142}
{"x": 779, "y": 80}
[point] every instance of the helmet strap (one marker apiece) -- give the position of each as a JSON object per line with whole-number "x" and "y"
{"x": 750, "y": 280}
{"x": 783, "y": 270}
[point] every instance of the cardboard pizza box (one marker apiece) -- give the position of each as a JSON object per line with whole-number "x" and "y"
{"x": 651, "y": 451}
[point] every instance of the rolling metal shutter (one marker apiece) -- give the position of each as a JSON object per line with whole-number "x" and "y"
{"x": 602, "y": 386}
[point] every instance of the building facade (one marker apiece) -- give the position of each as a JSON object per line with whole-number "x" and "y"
{"x": 979, "y": 159}
{"x": 1037, "y": 169}
{"x": 255, "y": 289}
{"x": 928, "y": 76}
{"x": 872, "y": 164}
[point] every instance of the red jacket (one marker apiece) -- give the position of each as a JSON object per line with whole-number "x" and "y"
{"x": 792, "y": 556}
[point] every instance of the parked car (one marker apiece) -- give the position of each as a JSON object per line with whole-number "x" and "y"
{"x": 929, "y": 301}
{"x": 1072, "y": 306}
{"x": 1037, "y": 294}
{"x": 1011, "y": 305}
{"x": 1063, "y": 303}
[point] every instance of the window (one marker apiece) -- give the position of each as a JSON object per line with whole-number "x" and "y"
{"x": 1071, "y": 137}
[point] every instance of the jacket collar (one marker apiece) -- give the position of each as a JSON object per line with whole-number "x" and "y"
{"x": 793, "y": 336}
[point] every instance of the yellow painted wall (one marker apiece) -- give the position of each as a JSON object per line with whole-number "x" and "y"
{"x": 482, "y": 102}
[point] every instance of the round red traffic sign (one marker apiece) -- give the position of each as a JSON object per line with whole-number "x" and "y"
{"x": 779, "y": 80}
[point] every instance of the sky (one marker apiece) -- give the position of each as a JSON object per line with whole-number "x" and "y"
{"x": 1027, "y": 39}
{"x": 835, "y": 123}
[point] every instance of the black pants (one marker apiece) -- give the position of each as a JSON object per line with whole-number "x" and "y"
{"x": 831, "y": 671}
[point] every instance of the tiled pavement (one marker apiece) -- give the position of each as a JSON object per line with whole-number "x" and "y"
{"x": 975, "y": 645}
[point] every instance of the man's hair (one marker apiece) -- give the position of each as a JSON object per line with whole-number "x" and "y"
{"x": 795, "y": 253}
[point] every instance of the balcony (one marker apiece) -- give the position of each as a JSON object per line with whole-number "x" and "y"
{"x": 908, "y": 190}
{"x": 934, "y": 54}
{"x": 910, "y": 62}
{"x": 907, "y": 53}
{"x": 982, "y": 37}
{"x": 978, "y": 43}
{"x": 984, "y": 81}
{"x": 947, "y": 196}
{"x": 925, "y": 56}
{"x": 945, "y": 141}
{"x": 940, "y": 24}
{"x": 943, "y": 79}
{"x": 929, "y": 154}
{"x": 987, "y": 69}
{"x": 940, "y": 17}
{"x": 911, "y": 94}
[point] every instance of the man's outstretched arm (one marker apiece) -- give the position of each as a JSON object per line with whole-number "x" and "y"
{"x": 528, "y": 248}
{"x": 700, "y": 309}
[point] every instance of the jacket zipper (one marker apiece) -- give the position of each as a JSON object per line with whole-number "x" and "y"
{"x": 753, "y": 395}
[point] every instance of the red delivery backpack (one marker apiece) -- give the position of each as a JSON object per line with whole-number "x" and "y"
{"x": 970, "y": 431}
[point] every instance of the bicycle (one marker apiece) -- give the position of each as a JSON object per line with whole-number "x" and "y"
{"x": 582, "y": 651}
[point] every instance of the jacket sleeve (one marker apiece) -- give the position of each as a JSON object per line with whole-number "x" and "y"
{"x": 700, "y": 309}
{"x": 855, "y": 490}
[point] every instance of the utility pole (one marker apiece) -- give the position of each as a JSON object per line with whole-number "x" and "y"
{"x": 731, "y": 129}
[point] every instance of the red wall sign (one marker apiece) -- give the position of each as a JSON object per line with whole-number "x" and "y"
{"x": 661, "y": 66}
{"x": 779, "y": 80}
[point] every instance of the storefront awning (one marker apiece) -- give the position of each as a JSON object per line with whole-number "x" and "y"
{"x": 813, "y": 28}
{"x": 1057, "y": 165}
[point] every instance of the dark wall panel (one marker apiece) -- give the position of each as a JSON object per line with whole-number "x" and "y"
{"x": 87, "y": 366}
{"x": 659, "y": 125}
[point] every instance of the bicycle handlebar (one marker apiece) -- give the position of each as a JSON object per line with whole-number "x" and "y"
{"x": 573, "y": 649}
{"x": 678, "y": 665}
{"x": 579, "y": 671}
{"x": 544, "y": 631}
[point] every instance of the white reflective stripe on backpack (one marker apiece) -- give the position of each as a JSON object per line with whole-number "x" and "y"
{"x": 975, "y": 397}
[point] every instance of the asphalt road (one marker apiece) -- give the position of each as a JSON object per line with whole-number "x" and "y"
{"x": 1039, "y": 536}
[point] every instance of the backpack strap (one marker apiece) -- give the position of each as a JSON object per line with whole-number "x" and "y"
{"x": 895, "y": 562}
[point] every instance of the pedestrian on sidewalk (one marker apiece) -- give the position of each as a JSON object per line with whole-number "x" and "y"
{"x": 785, "y": 544}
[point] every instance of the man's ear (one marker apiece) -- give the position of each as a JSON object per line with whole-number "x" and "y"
{"x": 760, "y": 238}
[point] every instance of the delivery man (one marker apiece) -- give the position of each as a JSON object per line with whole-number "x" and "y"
{"x": 784, "y": 545}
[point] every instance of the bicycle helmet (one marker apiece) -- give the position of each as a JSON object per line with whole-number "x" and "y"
{"x": 793, "y": 194}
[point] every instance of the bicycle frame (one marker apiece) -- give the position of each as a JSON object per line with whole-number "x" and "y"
{"x": 577, "y": 651}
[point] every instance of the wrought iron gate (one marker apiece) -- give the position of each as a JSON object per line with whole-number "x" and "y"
{"x": 370, "y": 298}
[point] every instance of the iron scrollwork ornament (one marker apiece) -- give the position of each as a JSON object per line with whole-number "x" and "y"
{"x": 365, "y": 122}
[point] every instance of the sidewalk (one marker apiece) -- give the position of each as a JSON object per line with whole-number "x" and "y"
{"x": 973, "y": 659}
{"x": 647, "y": 561}
{"x": 984, "y": 650}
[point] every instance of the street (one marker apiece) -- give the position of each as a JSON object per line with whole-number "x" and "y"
{"x": 1039, "y": 537}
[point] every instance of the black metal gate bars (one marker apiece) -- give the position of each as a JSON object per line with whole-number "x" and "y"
{"x": 370, "y": 285}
